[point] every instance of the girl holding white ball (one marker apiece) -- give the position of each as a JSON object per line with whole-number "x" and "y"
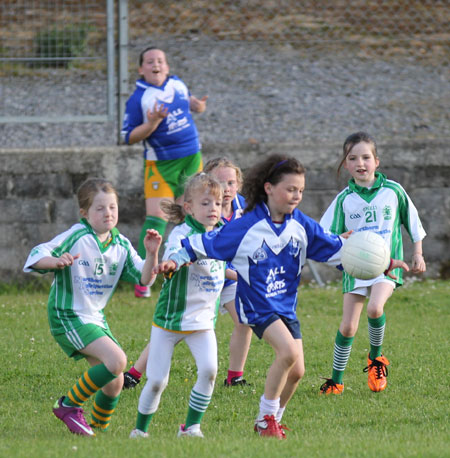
{"x": 370, "y": 202}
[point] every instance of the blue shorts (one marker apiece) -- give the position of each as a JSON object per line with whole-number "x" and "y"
{"x": 292, "y": 325}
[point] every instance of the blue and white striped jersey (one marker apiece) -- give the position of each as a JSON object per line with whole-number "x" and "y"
{"x": 268, "y": 258}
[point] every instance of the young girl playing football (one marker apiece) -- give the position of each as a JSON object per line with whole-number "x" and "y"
{"x": 186, "y": 309}
{"x": 268, "y": 247}
{"x": 88, "y": 260}
{"x": 370, "y": 202}
{"x": 229, "y": 176}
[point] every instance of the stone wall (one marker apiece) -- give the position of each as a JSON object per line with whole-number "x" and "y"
{"x": 37, "y": 190}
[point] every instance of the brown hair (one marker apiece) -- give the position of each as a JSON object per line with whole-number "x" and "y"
{"x": 90, "y": 188}
{"x": 271, "y": 170}
{"x": 352, "y": 140}
{"x": 198, "y": 182}
{"x": 217, "y": 162}
{"x": 149, "y": 48}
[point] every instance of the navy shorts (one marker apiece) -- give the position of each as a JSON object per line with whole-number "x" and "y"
{"x": 292, "y": 325}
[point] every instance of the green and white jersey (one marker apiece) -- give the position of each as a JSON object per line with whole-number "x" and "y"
{"x": 80, "y": 292}
{"x": 189, "y": 300}
{"x": 383, "y": 209}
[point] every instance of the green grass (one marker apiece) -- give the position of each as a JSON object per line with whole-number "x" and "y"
{"x": 409, "y": 419}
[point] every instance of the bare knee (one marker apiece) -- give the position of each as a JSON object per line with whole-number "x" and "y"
{"x": 117, "y": 364}
{"x": 348, "y": 329}
{"x": 289, "y": 357}
{"x": 374, "y": 310}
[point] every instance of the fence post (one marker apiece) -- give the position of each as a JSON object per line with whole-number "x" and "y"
{"x": 123, "y": 63}
{"x": 110, "y": 56}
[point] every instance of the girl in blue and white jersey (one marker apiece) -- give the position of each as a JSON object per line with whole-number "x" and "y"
{"x": 159, "y": 114}
{"x": 88, "y": 260}
{"x": 370, "y": 202}
{"x": 268, "y": 246}
{"x": 186, "y": 309}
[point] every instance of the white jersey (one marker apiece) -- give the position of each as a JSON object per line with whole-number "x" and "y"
{"x": 189, "y": 300}
{"x": 80, "y": 292}
{"x": 383, "y": 209}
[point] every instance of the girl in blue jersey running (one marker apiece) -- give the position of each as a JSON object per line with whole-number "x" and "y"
{"x": 268, "y": 246}
{"x": 88, "y": 260}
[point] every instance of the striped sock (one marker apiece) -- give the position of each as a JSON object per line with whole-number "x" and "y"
{"x": 88, "y": 384}
{"x": 102, "y": 410}
{"x": 198, "y": 403}
{"x": 342, "y": 349}
{"x": 376, "y": 335}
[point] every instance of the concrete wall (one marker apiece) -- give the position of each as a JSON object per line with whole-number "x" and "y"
{"x": 37, "y": 191}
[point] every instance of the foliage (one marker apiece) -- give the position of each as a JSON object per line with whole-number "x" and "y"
{"x": 59, "y": 47}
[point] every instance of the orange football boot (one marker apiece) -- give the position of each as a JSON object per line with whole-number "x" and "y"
{"x": 330, "y": 387}
{"x": 377, "y": 372}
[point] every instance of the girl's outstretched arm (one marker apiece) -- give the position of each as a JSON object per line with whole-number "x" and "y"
{"x": 51, "y": 263}
{"x": 152, "y": 242}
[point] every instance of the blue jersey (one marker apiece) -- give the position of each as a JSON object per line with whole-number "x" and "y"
{"x": 268, "y": 259}
{"x": 238, "y": 206}
{"x": 176, "y": 136}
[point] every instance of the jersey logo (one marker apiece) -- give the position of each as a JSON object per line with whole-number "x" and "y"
{"x": 259, "y": 255}
{"x": 155, "y": 185}
{"x": 387, "y": 212}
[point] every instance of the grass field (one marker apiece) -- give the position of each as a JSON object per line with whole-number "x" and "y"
{"x": 411, "y": 418}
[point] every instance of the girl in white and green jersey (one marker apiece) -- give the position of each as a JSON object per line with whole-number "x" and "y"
{"x": 370, "y": 202}
{"x": 186, "y": 309}
{"x": 88, "y": 260}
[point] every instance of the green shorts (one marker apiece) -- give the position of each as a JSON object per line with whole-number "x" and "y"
{"x": 167, "y": 178}
{"x": 77, "y": 339}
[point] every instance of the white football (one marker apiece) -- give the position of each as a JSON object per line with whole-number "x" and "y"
{"x": 365, "y": 255}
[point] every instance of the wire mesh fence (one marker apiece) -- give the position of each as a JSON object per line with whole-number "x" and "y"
{"x": 46, "y": 46}
{"x": 54, "y": 60}
{"x": 413, "y": 28}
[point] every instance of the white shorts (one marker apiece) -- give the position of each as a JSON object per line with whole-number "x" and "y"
{"x": 363, "y": 287}
{"x": 228, "y": 294}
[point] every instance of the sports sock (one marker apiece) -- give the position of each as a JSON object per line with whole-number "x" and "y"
{"x": 151, "y": 222}
{"x": 376, "y": 335}
{"x": 143, "y": 421}
{"x": 135, "y": 373}
{"x": 102, "y": 410}
{"x": 268, "y": 407}
{"x": 89, "y": 383}
{"x": 198, "y": 403}
{"x": 232, "y": 374}
{"x": 279, "y": 414}
{"x": 342, "y": 349}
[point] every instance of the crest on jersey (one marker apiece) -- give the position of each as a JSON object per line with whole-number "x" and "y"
{"x": 259, "y": 255}
{"x": 387, "y": 212}
{"x": 155, "y": 185}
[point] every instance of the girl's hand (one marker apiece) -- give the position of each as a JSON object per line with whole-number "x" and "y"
{"x": 158, "y": 113}
{"x": 152, "y": 241}
{"x": 418, "y": 264}
{"x": 198, "y": 105}
{"x": 165, "y": 267}
{"x": 396, "y": 263}
{"x": 66, "y": 259}
{"x": 346, "y": 235}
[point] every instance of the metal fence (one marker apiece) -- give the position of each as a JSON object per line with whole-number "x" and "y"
{"x": 47, "y": 45}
